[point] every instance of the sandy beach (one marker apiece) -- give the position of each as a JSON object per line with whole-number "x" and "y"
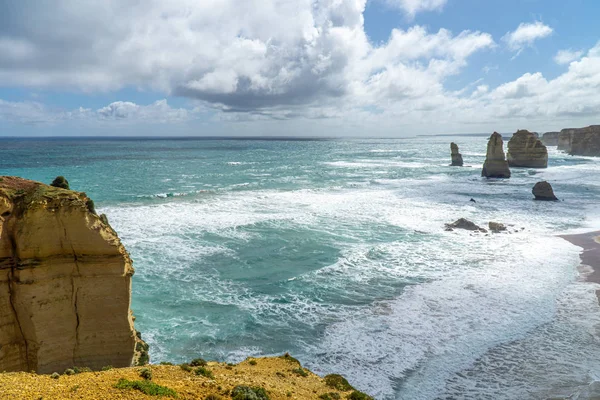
{"x": 590, "y": 254}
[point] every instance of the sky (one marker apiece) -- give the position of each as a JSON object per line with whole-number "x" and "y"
{"x": 378, "y": 68}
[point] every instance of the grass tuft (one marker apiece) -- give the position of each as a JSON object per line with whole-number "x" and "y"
{"x": 146, "y": 387}
{"x": 356, "y": 395}
{"x": 204, "y": 372}
{"x": 249, "y": 393}
{"x": 338, "y": 382}
{"x": 300, "y": 372}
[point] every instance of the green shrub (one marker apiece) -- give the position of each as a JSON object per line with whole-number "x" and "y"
{"x": 289, "y": 358}
{"x": 90, "y": 206}
{"x": 356, "y": 395}
{"x": 185, "y": 367}
{"x": 146, "y": 373}
{"x": 249, "y": 393}
{"x": 79, "y": 370}
{"x": 166, "y": 363}
{"x": 146, "y": 387}
{"x": 198, "y": 362}
{"x": 142, "y": 348}
{"x": 338, "y": 382}
{"x": 204, "y": 372}
{"x": 60, "y": 182}
{"x": 280, "y": 374}
{"x": 107, "y": 368}
{"x": 330, "y": 396}
{"x": 252, "y": 362}
{"x": 55, "y": 375}
{"x": 69, "y": 371}
{"x": 300, "y": 371}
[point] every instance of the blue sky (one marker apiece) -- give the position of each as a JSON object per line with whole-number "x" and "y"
{"x": 316, "y": 68}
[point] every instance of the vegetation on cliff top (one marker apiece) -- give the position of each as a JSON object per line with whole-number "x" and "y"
{"x": 269, "y": 379}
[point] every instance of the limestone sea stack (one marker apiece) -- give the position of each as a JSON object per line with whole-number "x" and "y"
{"x": 527, "y": 151}
{"x": 543, "y": 191}
{"x": 65, "y": 283}
{"x": 457, "y": 160}
{"x": 550, "y": 138}
{"x": 495, "y": 165}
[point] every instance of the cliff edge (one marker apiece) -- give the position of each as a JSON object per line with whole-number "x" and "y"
{"x": 65, "y": 282}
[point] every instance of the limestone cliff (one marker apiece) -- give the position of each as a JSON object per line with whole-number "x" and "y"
{"x": 65, "y": 282}
{"x": 527, "y": 151}
{"x": 550, "y": 138}
{"x": 586, "y": 141}
{"x": 581, "y": 141}
{"x": 495, "y": 165}
{"x": 564, "y": 139}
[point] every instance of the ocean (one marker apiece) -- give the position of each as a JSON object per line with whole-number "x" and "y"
{"x": 335, "y": 251}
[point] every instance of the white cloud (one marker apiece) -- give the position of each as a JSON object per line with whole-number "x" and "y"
{"x": 567, "y": 56}
{"x": 35, "y": 113}
{"x": 412, "y": 7}
{"x": 525, "y": 35}
{"x": 270, "y": 61}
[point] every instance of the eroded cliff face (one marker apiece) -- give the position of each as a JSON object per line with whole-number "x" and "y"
{"x": 65, "y": 283}
{"x": 550, "y": 138}
{"x": 527, "y": 151}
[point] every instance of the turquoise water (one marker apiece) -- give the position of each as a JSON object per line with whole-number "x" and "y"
{"x": 335, "y": 251}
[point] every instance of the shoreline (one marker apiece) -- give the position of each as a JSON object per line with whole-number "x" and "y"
{"x": 589, "y": 255}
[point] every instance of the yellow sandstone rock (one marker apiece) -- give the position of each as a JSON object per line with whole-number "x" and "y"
{"x": 65, "y": 282}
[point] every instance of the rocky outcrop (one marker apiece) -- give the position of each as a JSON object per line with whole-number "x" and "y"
{"x": 527, "y": 151}
{"x": 495, "y": 165}
{"x": 543, "y": 191}
{"x": 457, "y": 160}
{"x": 65, "y": 283}
{"x": 550, "y": 138}
{"x": 496, "y": 227}
{"x": 464, "y": 224}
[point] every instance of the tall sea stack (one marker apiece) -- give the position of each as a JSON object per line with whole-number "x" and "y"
{"x": 457, "y": 160}
{"x": 65, "y": 283}
{"x": 527, "y": 151}
{"x": 495, "y": 165}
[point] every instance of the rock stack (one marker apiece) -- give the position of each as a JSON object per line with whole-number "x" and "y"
{"x": 457, "y": 160}
{"x": 65, "y": 283}
{"x": 527, "y": 151}
{"x": 543, "y": 191}
{"x": 495, "y": 165}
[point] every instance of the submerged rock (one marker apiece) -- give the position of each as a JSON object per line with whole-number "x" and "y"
{"x": 65, "y": 283}
{"x": 457, "y": 160}
{"x": 496, "y": 227}
{"x": 543, "y": 191}
{"x": 465, "y": 224}
{"x": 495, "y": 165}
{"x": 527, "y": 151}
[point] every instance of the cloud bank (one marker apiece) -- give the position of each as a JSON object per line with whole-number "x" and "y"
{"x": 275, "y": 60}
